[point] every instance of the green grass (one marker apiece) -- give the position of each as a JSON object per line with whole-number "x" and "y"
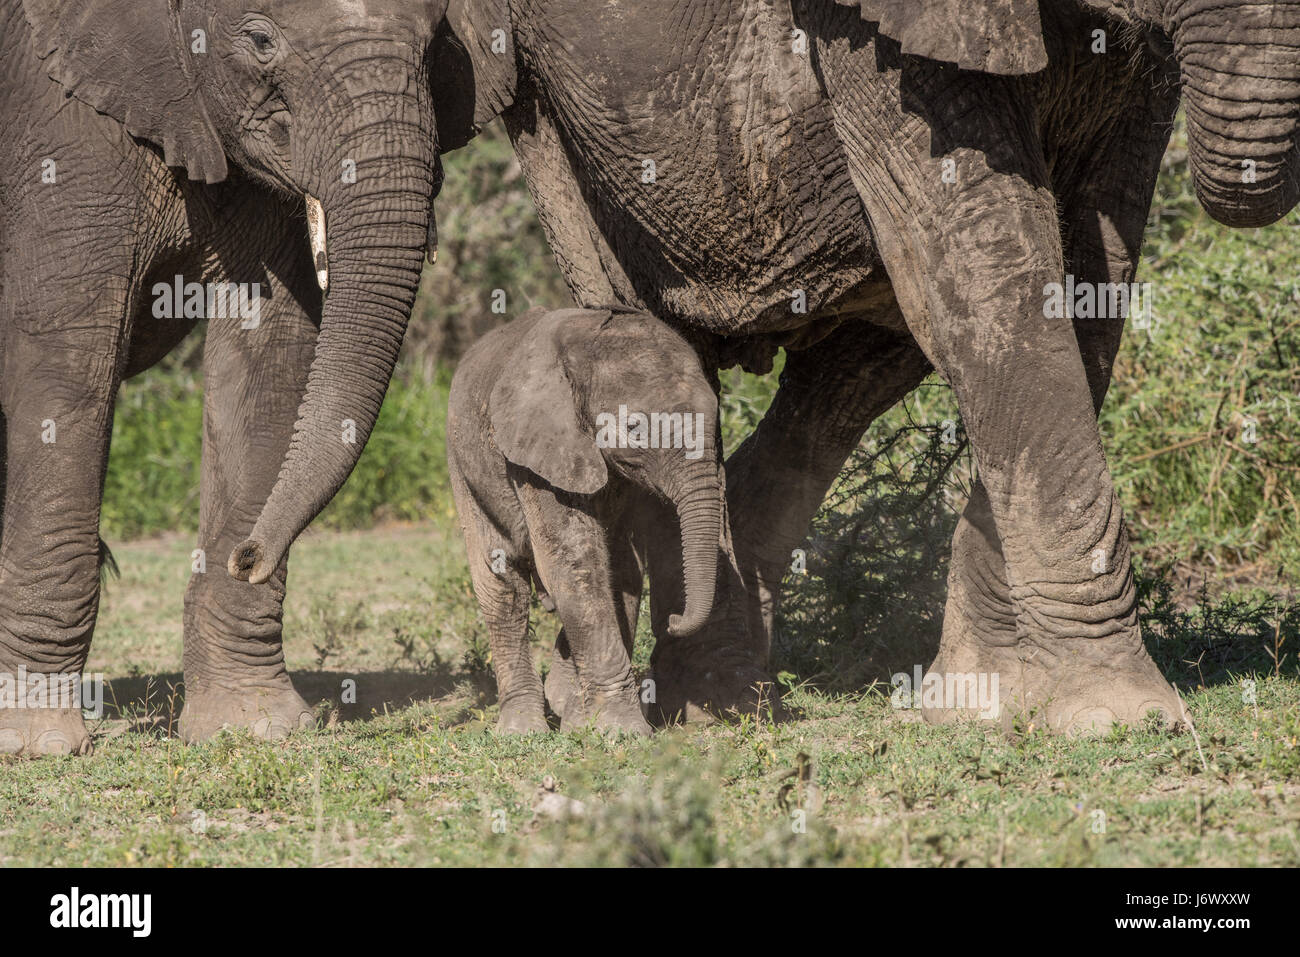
{"x": 412, "y": 773}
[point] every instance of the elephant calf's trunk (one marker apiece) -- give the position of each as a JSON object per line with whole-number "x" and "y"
{"x": 699, "y": 511}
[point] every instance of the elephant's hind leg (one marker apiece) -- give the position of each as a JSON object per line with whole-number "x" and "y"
{"x": 499, "y": 569}
{"x": 776, "y": 480}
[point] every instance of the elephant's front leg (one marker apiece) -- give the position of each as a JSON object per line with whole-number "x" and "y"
{"x": 563, "y": 687}
{"x": 776, "y": 481}
{"x": 1103, "y": 213}
{"x": 956, "y": 186}
{"x": 255, "y": 371}
{"x": 56, "y": 391}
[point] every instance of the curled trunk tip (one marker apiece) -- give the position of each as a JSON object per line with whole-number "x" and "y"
{"x": 249, "y": 562}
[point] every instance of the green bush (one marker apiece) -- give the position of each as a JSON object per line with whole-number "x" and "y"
{"x": 153, "y": 476}
{"x": 871, "y": 599}
{"x": 402, "y": 474}
{"x": 153, "y": 469}
{"x": 1221, "y": 362}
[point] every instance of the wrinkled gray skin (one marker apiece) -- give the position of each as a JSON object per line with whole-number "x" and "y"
{"x": 821, "y": 169}
{"x": 170, "y": 161}
{"x": 539, "y": 498}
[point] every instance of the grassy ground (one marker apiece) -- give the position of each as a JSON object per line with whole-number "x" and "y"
{"x": 412, "y": 773}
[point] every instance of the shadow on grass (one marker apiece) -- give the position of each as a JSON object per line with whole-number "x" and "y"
{"x": 1214, "y": 642}
{"x": 151, "y": 704}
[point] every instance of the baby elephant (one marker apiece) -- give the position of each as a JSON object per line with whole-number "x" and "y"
{"x": 566, "y": 430}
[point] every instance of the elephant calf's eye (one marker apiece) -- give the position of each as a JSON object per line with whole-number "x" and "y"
{"x": 261, "y": 42}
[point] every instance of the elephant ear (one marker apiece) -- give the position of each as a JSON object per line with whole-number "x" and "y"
{"x": 991, "y": 36}
{"x": 127, "y": 59}
{"x": 534, "y": 415}
{"x": 472, "y": 69}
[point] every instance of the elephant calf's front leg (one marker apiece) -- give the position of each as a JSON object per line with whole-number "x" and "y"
{"x": 575, "y": 562}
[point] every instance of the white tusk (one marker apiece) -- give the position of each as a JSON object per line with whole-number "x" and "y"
{"x": 316, "y": 233}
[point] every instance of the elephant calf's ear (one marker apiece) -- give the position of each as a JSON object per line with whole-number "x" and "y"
{"x": 125, "y": 59}
{"x": 534, "y": 419}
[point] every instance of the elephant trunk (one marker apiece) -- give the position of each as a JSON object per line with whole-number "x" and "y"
{"x": 697, "y": 496}
{"x": 368, "y": 237}
{"x": 1240, "y": 67}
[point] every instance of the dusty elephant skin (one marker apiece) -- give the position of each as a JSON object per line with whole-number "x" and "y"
{"x": 152, "y": 145}
{"x": 567, "y": 434}
{"x": 883, "y": 187}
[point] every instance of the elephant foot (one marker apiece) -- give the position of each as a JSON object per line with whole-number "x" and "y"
{"x": 620, "y": 713}
{"x": 33, "y": 732}
{"x": 268, "y": 713}
{"x": 1088, "y": 687}
{"x": 615, "y": 711}
{"x": 563, "y": 692}
{"x": 1083, "y": 686}
{"x": 968, "y": 679}
{"x": 704, "y": 684}
{"x": 522, "y": 717}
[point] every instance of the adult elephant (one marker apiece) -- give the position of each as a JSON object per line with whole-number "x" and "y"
{"x": 148, "y": 140}
{"x": 881, "y": 187}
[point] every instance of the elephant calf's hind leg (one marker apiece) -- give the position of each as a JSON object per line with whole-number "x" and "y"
{"x": 503, "y": 598}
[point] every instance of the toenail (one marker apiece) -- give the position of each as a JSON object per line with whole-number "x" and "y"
{"x": 52, "y": 742}
{"x": 1091, "y": 719}
{"x": 272, "y": 729}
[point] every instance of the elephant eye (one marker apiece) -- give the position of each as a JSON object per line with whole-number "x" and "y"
{"x": 261, "y": 41}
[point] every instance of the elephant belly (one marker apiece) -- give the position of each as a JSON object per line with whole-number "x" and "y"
{"x": 709, "y": 159}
